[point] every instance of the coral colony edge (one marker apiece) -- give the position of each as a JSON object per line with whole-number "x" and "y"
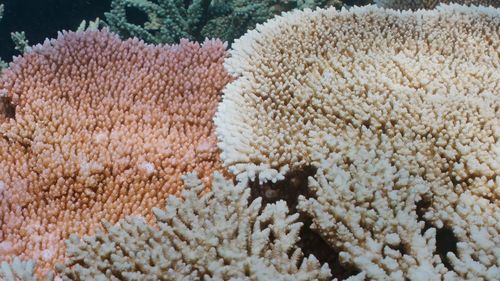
{"x": 353, "y": 143}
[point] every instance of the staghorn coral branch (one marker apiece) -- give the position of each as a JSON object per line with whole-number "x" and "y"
{"x": 170, "y": 20}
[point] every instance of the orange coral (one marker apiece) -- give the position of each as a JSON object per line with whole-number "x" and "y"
{"x": 103, "y": 128}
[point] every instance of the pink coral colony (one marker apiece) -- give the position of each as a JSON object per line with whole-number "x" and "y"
{"x": 100, "y": 128}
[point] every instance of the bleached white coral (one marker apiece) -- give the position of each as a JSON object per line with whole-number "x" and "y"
{"x": 426, "y": 81}
{"x": 366, "y": 208}
{"x": 418, "y": 88}
{"x": 217, "y": 235}
{"x": 475, "y": 222}
{"x": 19, "y": 270}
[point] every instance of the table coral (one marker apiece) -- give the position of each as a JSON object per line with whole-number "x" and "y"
{"x": 418, "y": 90}
{"x": 100, "y": 128}
{"x": 217, "y": 235}
{"x": 426, "y": 80}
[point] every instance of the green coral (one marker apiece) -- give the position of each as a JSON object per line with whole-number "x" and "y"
{"x": 170, "y": 20}
{"x": 90, "y": 25}
{"x": 21, "y": 43}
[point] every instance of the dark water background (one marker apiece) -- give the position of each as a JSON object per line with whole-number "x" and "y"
{"x": 41, "y": 19}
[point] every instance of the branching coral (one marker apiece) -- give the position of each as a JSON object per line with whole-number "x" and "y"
{"x": 430, "y": 4}
{"x": 217, "y": 235}
{"x": 367, "y": 209}
{"x": 100, "y": 128}
{"x": 20, "y": 271}
{"x": 170, "y": 20}
{"x": 20, "y": 44}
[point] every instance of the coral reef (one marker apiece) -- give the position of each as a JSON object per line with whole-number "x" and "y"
{"x": 98, "y": 128}
{"x": 392, "y": 116}
{"x": 430, "y": 4}
{"x": 170, "y": 20}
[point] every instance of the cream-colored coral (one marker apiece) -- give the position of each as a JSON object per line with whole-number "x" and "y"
{"x": 366, "y": 208}
{"x": 430, "y": 4}
{"x": 421, "y": 89}
{"x": 217, "y": 235}
{"x": 20, "y": 270}
{"x": 426, "y": 81}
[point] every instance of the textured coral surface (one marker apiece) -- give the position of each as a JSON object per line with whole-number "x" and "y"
{"x": 423, "y": 83}
{"x": 100, "y": 128}
{"x": 417, "y": 91}
{"x": 395, "y": 114}
{"x": 217, "y": 235}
